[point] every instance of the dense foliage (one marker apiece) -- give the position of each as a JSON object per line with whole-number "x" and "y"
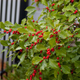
{"x": 49, "y": 47}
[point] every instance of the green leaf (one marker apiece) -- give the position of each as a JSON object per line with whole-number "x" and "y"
{"x": 65, "y": 27}
{"x": 1, "y": 35}
{"x": 72, "y": 17}
{"x": 78, "y": 36}
{"x": 65, "y": 34}
{"x": 60, "y": 75}
{"x": 67, "y": 13}
{"x": 23, "y": 21}
{"x": 77, "y": 64}
{"x": 16, "y": 26}
{"x": 44, "y": 2}
{"x": 75, "y": 58}
{"x": 46, "y": 35}
{"x": 31, "y": 13}
{"x": 65, "y": 69}
{"x": 36, "y": 60}
{"x": 52, "y": 42}
{"x": 77, "y": 29}
{"x": 70, "y": 76}
{"x": 40, "y": 47}
{"x": 4, "y": 43}
{"x": 22, "y": 30}
{"x": 53, "y": 64}
{"x": 67, "y": 1}
{"x": 21, "y": 59}
{"x": 7, "y": 23}
{"x": 30, "y": 29}
{"x": 2, "y": 26}
{"x": 30, "y": 8}
{"x": 61, "y": 52}
{"x": 18, "y": 48}
{"x": 43, "y": 65}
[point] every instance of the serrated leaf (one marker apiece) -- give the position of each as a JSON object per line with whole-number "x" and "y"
{"x": 31, "y": 13}
{"x": 23, "y": 21}
{"x": 7, "y": 23}
{"x": 77, "y": 64}
{"x": 44, "y": 2}
{"x": 4, "y": 42}
{"x": 78, "y": 36}
{"x": 53, "y": 64}
{"x": 46, "y": 35}
{"x": 43, "y": 65}
{"x": 21, "y": 59}
{"x": 40, "y": 47}
{"x": 1, "y": 35}
{"x": 2, "y": 26}
{"x": 65, "y": 69}
{"x": 61, "y": 52}
{"x": 72, "y": 17}
{"x": 36, "y": 60}
{"x": 75, "y": 58}
{"x": 18, "y": 48}
{"x": 52, "y": 42}
{"x": 30, "y": 8}
{"x": 22, "y": 30}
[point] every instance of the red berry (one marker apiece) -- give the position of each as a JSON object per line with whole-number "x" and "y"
{"x": 35, "y": 71}
{"x": 48, "y": 49}
{"x": 49, "y": 10}
{"x": 53, "y": 4}
{"x": 26, "y": 47}
{"x": 40, "y": 78}
{"x": 4, "y": 31}
{"x": 10, "y": 30}
{"x": 25, "y": 27}
{"x": 37, "y": 40}
{"x": 35, "y": 43}
{"x": 58, "y": 30}
{"x": 52, "y": 49}
{"x": 27, "y": 79}
{"x": 36, "y": 0}
{"x": 40, "y": 36}
{"x": 33, "y": 20}
{"x": 41, "y": 51}
{"x": 7, "y": 32}
{"x": 58, "y": 63}
{"x": 31, "y": 47}
{"x": 44, "y": 57}
{"x": 12, "y": 43}
{"x": 57, "y": 58}
{"x": 58, "y": 72}
{"x": 68, "y": 46}
{"x": 32, "y": 34}
{"x": 52, "y": 9}
{"x": 47, "y": 57}
{"x": 71, "y": 1}
{"x": 34, "y": 29}
{"x": 40, "y": 73}
{"x": 41, "y": 61}
{"x": 21, "y": 50}
{"x": 51, "y": 36}
{"x": 33, "y": 74}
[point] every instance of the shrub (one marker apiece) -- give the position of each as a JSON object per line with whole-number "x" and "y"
{"x": 49, "y": 47}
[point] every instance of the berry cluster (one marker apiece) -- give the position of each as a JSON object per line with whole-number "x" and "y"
{"x": 71, "y": 1}
{"x": 49, "y": 9}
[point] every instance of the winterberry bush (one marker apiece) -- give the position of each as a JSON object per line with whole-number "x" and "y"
{"x": 49, "y": 47}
